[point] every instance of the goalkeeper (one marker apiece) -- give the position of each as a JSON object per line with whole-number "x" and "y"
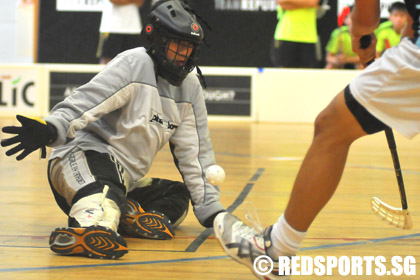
{"x": 107, "y": 133}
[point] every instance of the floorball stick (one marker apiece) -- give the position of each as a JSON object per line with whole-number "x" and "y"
{"x": 398, "y": 217}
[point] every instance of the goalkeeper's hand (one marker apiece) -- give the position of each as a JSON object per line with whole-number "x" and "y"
{"x": 32, "y": 135}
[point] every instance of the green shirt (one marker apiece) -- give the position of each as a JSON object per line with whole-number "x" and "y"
{"x": 386, "y": 36}
{"x": 296, "y": 25}
{"x": 340, "y": 42}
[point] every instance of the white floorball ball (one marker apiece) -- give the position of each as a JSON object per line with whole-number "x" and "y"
{"x": 215, "y": 175}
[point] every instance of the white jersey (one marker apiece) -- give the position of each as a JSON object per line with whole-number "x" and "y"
{"x": 127, "y": 112}
{"x": 389, "y": 88}
{"x": 124, "y": 19}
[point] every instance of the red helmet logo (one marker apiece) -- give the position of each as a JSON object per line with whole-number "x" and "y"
{"x": 195, "y": 27}
{"x": 149, "y": 29}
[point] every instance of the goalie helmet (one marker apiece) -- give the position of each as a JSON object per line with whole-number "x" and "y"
{"x": 169, "y": 22}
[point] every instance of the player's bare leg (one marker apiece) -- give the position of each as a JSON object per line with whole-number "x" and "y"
{"x": 335, "y": 130}
{"x": 321, "y": 170}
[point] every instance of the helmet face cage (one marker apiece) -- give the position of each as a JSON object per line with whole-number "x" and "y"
{"x": 178, "y": 51}
{"x": 183, "y": 54}
{"x": 174, "y": 64}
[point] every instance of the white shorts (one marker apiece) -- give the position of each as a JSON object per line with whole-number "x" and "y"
{"x": 389, "y": 88}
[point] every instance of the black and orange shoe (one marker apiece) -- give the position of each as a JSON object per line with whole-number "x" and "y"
{"x": 94, "y": 242}
{"x": 145, "y": 224}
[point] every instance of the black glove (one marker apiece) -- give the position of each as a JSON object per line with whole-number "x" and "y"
{"x": 32, "y": 135}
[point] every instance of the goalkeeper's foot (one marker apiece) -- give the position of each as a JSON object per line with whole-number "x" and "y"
{"x": 94, "y": 242}
{"x": 145, "y": 224}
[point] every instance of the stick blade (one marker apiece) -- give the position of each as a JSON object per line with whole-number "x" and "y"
{"x": 397, "y": 217}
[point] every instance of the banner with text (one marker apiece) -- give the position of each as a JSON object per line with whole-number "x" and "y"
{"x": 21, "y": 91}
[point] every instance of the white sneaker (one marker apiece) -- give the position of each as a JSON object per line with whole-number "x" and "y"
{"x": 244, "y": 244}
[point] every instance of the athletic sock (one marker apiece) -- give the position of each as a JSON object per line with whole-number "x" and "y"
{"x": 285, "y": 240}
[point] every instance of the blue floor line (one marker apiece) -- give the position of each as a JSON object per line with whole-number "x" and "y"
{"x": 115, "y": 263}
{"x": 360, "y": 242}
{"x": 111, "y": 264}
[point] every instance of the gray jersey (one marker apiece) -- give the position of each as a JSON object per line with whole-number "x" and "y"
{"x": 125, "y": 111}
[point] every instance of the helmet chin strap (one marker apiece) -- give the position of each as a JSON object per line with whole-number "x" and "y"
{"x": 201, "y": 77}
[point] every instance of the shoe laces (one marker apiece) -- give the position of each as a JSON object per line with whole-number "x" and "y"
{"x": 245, "y": 231}
{"x": 252, "y": 216}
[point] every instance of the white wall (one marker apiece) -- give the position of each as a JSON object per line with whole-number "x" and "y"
{"x": 289, "y": 95}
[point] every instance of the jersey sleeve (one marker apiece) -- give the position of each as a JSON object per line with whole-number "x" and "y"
{"x": 107, "y": 91}
{"x": 193, "y": 154}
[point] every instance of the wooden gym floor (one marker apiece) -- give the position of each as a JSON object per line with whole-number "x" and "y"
{"x": 261, "y": 162}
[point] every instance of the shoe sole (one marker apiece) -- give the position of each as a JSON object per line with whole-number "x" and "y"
{"x": 94, "y": 242}
{"x": 150, "y": 225}
{"x": 219, "y": 220}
